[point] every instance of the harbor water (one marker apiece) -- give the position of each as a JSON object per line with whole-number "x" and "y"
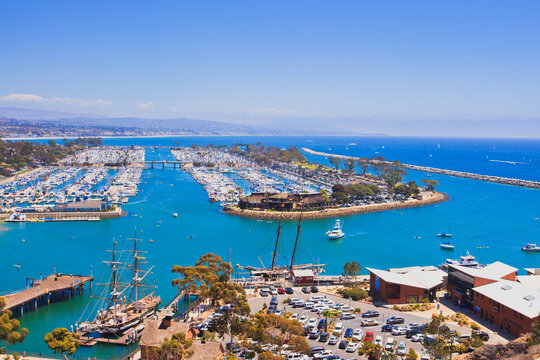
{"x": 491, "y": 221}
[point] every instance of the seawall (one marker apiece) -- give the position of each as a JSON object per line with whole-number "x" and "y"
{"x": 432, "y": 198}
{"x": 462, "y": 174}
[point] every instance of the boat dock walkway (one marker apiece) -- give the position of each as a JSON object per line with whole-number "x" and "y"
{"x": 128, "y": 338}
{"x": 53, "y": 288}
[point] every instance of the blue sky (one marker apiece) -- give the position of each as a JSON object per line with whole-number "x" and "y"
{"x": 346, "y": 62}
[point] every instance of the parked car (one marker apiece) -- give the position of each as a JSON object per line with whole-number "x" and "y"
{"x": 370, "y": 313}
{"x": 401, "y": 349}
{"x": 348, "y": 333}
{"x": 278, "y": 312}
{"x": 352, "y": 347}
{"x": 389, "y": 346}
{"x": 303, "y": 319}
{"x": 281, "y": 291}
{"x": 294, "y": 317}
{"x": 425, "y": 356}
{"x": 297, "y": 356}
{"x": 343, "y": 344}
{"x": 395, "y": 320}
{"x": 273, "y": 291}
{"x": 324, "y": 336}
{"x": 274, "y": 300}
{"x": 387, "y": 328}
{"x": 314, "y": 289}
{"x": 309, "y": 305}
{"x": 409, "y": 333}
{"x": 369, "y": 322}
{"x": 312, "y": 322}
{"x": 347, "y": 316}
{"x": 264, "y": 292}
{"x": 289, "y": 290}
{"x": 314, "y": 333}
{"x": 306, "y": 290}
{"x": 338, "y": 329}
{"x": 417, "y": 338}
{"x": 298, "y": 304}
{"x": 399, "y": 330}
{"x": 316, "y": 350}
{"x": 481, "y": 334}
{"x": 333, "y": 340}
{"x": 357, "y": 335}
{"x": 463, "y": 338}
{"x": 323, "y": 354}
{"x": 321, "y": 324}
{"x": 369, "y": 336}
{"x": 378, "y": 340}
{"x": 271, "y": 309}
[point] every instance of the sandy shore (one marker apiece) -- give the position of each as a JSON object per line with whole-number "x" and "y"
{"x": 429, "y": 198}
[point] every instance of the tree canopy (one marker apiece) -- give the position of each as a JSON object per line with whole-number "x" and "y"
{"x": 10, "y": 329}
{"x": 63, "y": 341}
{"x": 178, "y": 347}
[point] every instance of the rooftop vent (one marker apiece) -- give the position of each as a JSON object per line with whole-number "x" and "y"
{"x": 529, "y": 298}
{"x": 506, "y": 287}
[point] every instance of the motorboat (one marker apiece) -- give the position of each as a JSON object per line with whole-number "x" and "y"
{"x": 531, "y": 248}
{"x": 444, "y": 235}
{"x": 465, "y": 260}
{"x": 336, "y": 232}
{"x": 175, "y": 215}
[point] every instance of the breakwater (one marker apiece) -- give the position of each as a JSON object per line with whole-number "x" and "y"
{"x": 462, "y": 174}
{"x": 428, "y": 199}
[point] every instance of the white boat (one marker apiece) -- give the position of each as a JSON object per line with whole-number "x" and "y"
{"x": 444, "y": 235}
{"x": 465, "y": 260}
{"x": 447, "y": 246}
{"x": 336, "y": 232}
{"x": 175, "y": 215}
{"x": 531, "y": 248}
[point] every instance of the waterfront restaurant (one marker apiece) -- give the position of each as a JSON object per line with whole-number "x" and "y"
{"x": 407, "y": 285}
{"x": 285, "y": 201}
{"x": 462, "y": 280}
{"x": 512, "y": 305}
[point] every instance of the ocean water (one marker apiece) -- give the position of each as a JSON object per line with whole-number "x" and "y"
{"x": 500, "y": 216}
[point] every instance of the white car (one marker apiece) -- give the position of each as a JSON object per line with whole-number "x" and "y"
{"x": 309, "y": 305}
{"x": 399, "y": 330}
{"x": 357, "y": 335}
{"x": 322, "y": 309}
{"x": 401, "y": 348}
{"x": 297, "y": 356}
{"x": 278, "y": 312}
{"x": 378, "y": 340}
{"x": 303, "y": 319}
{"x": 312, "y": 322}
{"x": 338, "y": 329}
{"x": 323, "y": 354}
{"x": 352, "y": 347}
{"x": 333, "y": 340}
{"x": 425, "y": 356}
{"x": 294, "y": 317}
{"x": 389, "y": 344}
{"x": 417, "y": 338}
{"x": 273, "y": 291}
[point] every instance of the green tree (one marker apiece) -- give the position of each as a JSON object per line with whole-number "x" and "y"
{"x": 10, "y": 329}
{"x": 178, "y": 347}
{"x": 411, "y": 355}
{"x": 430, "y": 184}
{"x": 363, "y": 163}
{"x": 437, "y": 339}
{"x": 393, "y": 174}
{"x": 336, "y": 162}
{"x": 349, "y": 163}
{"x": 534, "y": 339}
{"x": 352, "y": 270}
{"x": 62, "y": 341}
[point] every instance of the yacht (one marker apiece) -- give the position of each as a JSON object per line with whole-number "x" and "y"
{"x": 465, "y": 260}
{"x": 336, "y": 232}
{"x": 531, "y": 248}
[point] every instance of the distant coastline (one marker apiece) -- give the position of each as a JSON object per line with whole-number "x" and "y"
{"x": 434, "y": 198}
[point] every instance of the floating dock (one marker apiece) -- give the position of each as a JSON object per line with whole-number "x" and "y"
{"x": 53, "y": 288}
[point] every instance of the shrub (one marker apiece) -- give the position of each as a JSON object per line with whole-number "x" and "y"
{"x": 355, "y": 293}
{"x": 411, "y": 355}
{"x": 475, "y": 326}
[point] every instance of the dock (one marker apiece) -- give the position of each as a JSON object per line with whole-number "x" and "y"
{"x": 128, "y": 338}
{"x": 53, "y": 288}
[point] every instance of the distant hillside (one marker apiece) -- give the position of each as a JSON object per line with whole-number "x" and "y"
{"x": 27, "y": 122}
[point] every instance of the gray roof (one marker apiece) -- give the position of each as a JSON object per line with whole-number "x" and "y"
{"x": 514, "y": 295}
{"x": 532, "y": 281}
{"x": 493, "y": 271}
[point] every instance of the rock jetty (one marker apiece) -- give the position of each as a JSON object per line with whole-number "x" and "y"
{"x": 463, "y": 174}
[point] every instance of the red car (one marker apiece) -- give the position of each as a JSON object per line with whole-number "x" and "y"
{"x": 281, "y": 291}
{"x": 369, "y": 336}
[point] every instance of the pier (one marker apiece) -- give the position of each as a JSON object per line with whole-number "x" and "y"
{"x": 462, "y": 174}
{"x": 53, "y": 288}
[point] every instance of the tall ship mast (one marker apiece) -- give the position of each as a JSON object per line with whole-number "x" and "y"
{"x": 127, "y": 303}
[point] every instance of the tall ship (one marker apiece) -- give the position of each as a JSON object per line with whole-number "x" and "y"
{"x": 125, "y": 304}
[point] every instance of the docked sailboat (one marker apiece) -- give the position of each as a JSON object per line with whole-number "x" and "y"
{"x": 531, "y": 248}
{"x": 336, "y": 232}
{"x": 127, "y": 303}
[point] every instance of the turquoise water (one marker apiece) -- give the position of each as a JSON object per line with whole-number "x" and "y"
{"x": 501, "y": 216}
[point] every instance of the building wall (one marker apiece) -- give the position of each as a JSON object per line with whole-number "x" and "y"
{"x": 394, "y": 293}
{"x": 306, "y": 280}
{"x": 502, "y": 316}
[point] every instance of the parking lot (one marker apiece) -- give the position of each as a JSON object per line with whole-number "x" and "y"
{"x": 384, "y": 314}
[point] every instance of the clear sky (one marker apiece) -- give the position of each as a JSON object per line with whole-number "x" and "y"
{"x": 351, "y": 63}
